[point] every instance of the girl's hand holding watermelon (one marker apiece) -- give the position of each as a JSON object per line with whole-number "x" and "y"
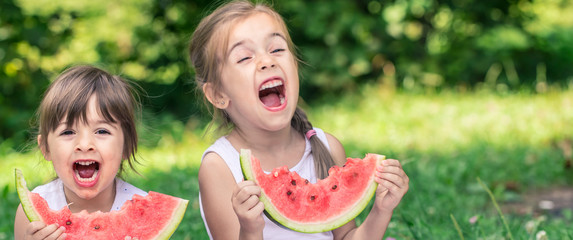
{"x": 39, "y": 230}
{"x": 249, "y": 209}
{"x": 392, "y": 185}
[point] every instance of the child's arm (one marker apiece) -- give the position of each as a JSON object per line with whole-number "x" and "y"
{"x": 231, "y": 210}
{"x": 26, "y": 230}
{"x": 392, "y": 185}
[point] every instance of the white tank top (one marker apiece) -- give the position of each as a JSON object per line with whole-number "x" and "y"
{"x": 305, "y": 168}
{"x": 53, "y": 192}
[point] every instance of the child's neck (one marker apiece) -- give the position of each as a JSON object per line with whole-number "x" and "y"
{"x": 102, "y": 202}
{"x": 273, "y": 149}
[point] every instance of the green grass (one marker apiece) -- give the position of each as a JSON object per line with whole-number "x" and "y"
{"x": 445, "y": 141}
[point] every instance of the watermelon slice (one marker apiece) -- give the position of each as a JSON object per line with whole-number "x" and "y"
{"x": 325, "y": 205}
{"x": 155, "y": 216}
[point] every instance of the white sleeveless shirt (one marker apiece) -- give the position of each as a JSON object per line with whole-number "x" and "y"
{"x": 53, "y": 192}
{"x": 305, "y": 168}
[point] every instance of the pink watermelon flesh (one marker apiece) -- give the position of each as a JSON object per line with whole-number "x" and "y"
{"x": 325, "y": 205}
{"x": 155, "y": 216}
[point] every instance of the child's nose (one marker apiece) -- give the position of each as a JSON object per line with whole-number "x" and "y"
{"x": 266, "y": 62}
{"x": 85, "y": 143}
{"x": 265, "y": 66}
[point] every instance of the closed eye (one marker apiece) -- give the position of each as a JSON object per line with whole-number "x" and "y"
{"x": 244, "y": 59}
{"x": 278, "y": 50}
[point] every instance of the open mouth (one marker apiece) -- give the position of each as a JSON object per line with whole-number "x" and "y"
{"x": 272, "y": 94}
{"x": 86, "y": 171}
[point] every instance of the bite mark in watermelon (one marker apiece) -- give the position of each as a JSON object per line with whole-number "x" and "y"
{"x": 155, "y": 216}
{"x": 325, "y": 205}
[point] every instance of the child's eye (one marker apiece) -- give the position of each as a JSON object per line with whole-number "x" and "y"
{"x": 66, "y": 132}
{"x": 278, "y": 50}
{"x": 244, "y": 59}
{"x": 102, "y": 131}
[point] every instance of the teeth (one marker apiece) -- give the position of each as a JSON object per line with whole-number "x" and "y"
{"x": 85, "y": 163}
{"x": 87, "y": 179}
{"x": 271, "y": 84}
{"x": 282, "y": 100}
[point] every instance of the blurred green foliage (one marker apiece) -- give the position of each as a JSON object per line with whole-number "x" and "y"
{"x": 411, "y": 45}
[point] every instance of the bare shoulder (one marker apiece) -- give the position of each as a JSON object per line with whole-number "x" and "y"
{"x": 211, "y": 163}
{"x": 214, "y": 172}
{"x": 216, "y": 185}
{"x": 336, "y": 148}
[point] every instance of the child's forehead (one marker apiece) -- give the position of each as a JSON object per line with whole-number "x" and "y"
{"x": 91, "y": 111}
{"x": 235, "y": 30}
{"x": 258, "y": 25}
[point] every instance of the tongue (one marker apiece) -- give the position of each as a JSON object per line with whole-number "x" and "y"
{"x": 86, "y": 171}
{"x": 271, "y": 100}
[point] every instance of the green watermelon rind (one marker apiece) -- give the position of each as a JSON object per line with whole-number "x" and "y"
{"x": 32, "y": 214}
{"x": 176, "y": 218}
{"x": 23, "y": 194}
{"x": 276, "y": 216}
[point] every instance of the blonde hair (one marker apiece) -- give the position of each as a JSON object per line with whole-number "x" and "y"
{"x": 68, "y": 96}
{"x": 207, "y": 51}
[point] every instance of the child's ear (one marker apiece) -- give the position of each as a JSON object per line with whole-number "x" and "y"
{"x": 43, "y": 148}
{"x": 218, "y": 99}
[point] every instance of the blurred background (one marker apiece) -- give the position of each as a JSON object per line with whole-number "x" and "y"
{"x": 457, "y": 89}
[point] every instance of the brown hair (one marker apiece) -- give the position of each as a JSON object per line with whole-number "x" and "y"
{"x": 207, "y": 50}
{"x": 68, "y": 96}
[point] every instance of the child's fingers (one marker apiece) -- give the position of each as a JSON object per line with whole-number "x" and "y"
{"x": 397, "y": 176}
{"x": 246, "y": 198}
{"x": 380, "y": 170}
{"x": 51, "y": 231}
{"x": 391, "y": 170}
{"x": 390, "y": 175}
{"x": 391, "y": 162}
{"x": 395, "y": 184}
{"x": 245, "y": 190}
{"x": 251, "y": 202}
{"x": 394, "y": 187}
{"x": 57, "y": 233}
{"x": 246, "y": 185}
{"x": 256, "y": 210}
{"x": 62, "y": 236}
{"x": 34, "y": 227}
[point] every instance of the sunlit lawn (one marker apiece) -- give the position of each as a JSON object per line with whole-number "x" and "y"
{"x": 445, "y": 141}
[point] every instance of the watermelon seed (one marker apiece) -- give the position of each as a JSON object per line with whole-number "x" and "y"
{"x": 276, "y": 174}
{"x": 289, "y": 193}
{"x": 293, "y": 182}
{"x": 334, "y": 187}
{"x": 68, "y": 222}
{"x": 312, "y": 198}
{"x": 305, "y": 181}
{"x": 96, "y": 227}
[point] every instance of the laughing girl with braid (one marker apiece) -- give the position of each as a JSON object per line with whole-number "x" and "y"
{"x": 246, "y": 68}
